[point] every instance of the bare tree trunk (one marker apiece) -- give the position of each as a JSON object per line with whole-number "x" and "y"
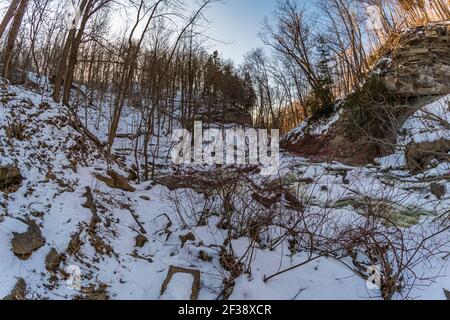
{"x": 68, "y": 80}
{"x": 8, "y": 16}
{"x": 62, "y": 67}
{"x": 12, "y": 36}
{"x": 130, "y": 60}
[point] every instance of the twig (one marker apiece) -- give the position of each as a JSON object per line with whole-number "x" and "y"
{"x": 141, "y": 227}
{"x": 292, "y": 268}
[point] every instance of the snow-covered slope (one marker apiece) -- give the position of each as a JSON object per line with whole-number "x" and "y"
{"x": 123, "y": 243}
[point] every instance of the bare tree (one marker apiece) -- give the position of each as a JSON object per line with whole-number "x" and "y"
{"x": 62, "y": 66}
{"x": 8, "y": 16}
{"x": 12, "y": 36}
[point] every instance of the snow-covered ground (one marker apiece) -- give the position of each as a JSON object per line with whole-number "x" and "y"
{"x": 58, "y": 163}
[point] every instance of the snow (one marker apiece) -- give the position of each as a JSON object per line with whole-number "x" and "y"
{"x": 179, "y": 287}
{"x": 314, "y": 128}
{"x": 138, "y": 273}
{"x": 322, "y": 279}
{"x": 430, "y": 123}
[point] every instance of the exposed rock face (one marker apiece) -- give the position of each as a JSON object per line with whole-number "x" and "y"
{"x": 226, "y": 115}
{"x": 421, "y": 64}
{"x": 9, "y": 175}
{"x": 420, "y": 155}
{"x": 414, "y": 70}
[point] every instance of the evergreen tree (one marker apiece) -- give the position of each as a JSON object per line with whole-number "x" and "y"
{"x": 324, "y": 94}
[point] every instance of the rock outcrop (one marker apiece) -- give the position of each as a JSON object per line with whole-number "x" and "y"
{"x": 420, "y": 155}
{"x": 414, "y": 70}
{"x": 116, "y": 181}
{"x": 420, "y": 63}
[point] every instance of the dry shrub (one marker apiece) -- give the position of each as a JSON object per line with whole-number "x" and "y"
{"x": 270, "y": 213}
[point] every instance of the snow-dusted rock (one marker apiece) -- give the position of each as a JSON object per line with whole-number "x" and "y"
{"x": 9, "y": 175}
{"x": 24, "y": 244}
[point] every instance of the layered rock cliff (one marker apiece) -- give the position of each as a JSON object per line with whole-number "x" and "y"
{"x": 420, "y": 64}
{"x": 413, "y": 72}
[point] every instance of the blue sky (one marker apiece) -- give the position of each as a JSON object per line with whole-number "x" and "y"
{"x": 234, "y": 23}
{"x": 237, "y": 22}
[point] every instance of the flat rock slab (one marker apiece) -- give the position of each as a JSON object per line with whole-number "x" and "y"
{"x": 177, "y": 283}
{"x": 24, "y": 244}
{"x": 116, "y": 181}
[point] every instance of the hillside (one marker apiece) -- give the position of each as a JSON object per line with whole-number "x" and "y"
{"x": 411, "y": 73}
{"x": 123, "y": 237}
{"x": 141, "y": 155}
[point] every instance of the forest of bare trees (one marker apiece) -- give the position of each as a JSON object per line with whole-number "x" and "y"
{"x": 113, "y": 79}
{"x": 322, "y": 53}
{"x": 157, "y": 62}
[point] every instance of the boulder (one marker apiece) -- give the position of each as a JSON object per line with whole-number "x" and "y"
{"x": 53, "y": 260}
{"x": 420, "y": 155}
{"x": 438, "y": 190}
{"x": 116, "y": 181}
{"x": 24, "y": 244}
{"x": 9, "y": 175}
{"x": 141, "y": 241}
{"x": 18, "y": 292}
{"x": 188, "y": 237}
